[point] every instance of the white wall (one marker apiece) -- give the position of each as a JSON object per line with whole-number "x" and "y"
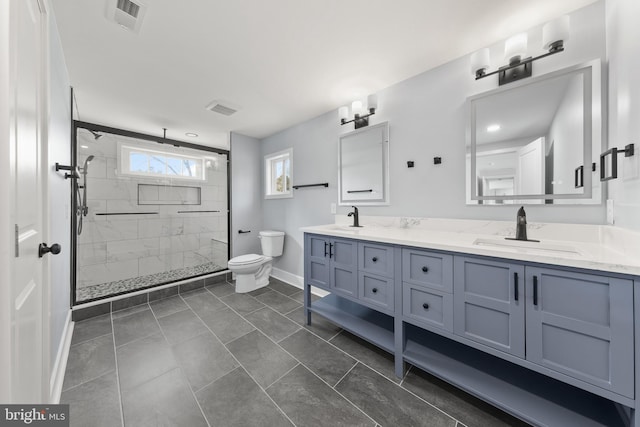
{"x": 59, "y": 150}
{"x": 623, "y": 48}
{"x": 246, "y": 194}
{"x": 427, "y": 118}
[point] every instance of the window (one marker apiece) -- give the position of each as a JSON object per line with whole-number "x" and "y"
{"x": 278, "y": 169}
{"x": 160, "y": 163}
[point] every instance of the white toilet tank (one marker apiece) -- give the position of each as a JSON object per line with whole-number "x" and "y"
{"x": 272, "y": 242}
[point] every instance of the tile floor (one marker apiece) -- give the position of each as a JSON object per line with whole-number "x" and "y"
{"x": 212, "y": 357}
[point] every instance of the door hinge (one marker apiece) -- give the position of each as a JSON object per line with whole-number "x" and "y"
{"x": 17, "y": 237}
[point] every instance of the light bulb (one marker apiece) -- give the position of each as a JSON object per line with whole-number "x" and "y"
{"x": 515, "y": 48}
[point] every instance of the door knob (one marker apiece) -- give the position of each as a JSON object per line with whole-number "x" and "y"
{"x": 44, "y": 249}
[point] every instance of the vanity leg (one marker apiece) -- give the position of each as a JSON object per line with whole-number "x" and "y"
{"x": 399, "y": 345}
{"x": 307, "y": 304}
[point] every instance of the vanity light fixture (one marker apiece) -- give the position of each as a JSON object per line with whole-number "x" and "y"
{"x": 554, "y": 34}
{"x": 359, "y": 119}
{"x": 191, "y": 134}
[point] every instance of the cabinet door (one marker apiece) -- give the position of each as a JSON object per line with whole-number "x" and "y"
{"x": 344, "y": 266}
{"x": 581, "y": 325}
{"x": 489, "y": 303}
{"x": 317, "y": 261}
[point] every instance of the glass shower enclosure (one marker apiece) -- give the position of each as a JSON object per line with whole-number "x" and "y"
{"x": 147, "y": 211}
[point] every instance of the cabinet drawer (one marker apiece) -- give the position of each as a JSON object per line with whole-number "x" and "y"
{"x": 425, "y": 307}
{"x": 376, "y": 259}
{"x": 376, "y": 291}
{"x": 429, "y": 269}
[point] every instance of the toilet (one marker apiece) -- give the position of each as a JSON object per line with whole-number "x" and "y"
{"x": 252, "y": 271}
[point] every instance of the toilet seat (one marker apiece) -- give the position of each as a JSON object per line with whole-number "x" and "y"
{"x": 246, "y": 260}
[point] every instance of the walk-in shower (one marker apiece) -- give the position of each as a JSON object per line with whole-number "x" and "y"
{"x": 149, "y": 211}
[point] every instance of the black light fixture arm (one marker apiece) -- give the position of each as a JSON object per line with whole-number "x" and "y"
{"x": 480, "y": 74}
{"x": 359, "y": 120}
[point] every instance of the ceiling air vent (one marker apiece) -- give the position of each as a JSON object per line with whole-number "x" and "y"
{"x": 126, "y": 13}
{"x": 222, "y": 107}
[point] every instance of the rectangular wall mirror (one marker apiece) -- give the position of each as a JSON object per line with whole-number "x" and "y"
{"x": 535, "y": 141}
{"x": 363, "y": 166}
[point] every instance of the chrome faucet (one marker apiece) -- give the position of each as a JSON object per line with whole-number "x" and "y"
{"x": 356, "y": 217}
{"x": 521, "y": 225}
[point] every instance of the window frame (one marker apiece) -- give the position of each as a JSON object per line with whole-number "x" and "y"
{"x": 124, "y": 165}
{"x": 269, "y": 174}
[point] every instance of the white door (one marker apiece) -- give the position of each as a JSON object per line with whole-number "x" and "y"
{"x": 531, "y": 169}
{"x": 27, "y": 125}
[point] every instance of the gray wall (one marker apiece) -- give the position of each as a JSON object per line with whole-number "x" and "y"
{"x": 623, "y": 45}
{"x": 59, "y": 150}
{"x": 427, "y": 118}
{"x": 246, "y": 194}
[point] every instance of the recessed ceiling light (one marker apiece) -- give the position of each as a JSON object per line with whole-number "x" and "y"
{"x": 191, "y": 134}
{"x": 493, "y": 128}
{"x": 84, "y": 146}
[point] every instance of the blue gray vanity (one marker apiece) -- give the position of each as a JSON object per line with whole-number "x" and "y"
{"x": 544, "y": 332}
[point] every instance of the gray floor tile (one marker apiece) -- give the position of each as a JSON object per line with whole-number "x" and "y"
{"x": 368, "y": 354}
{"x": 259, "y": 291}
{"x": 242, "y": 303}
{"x": 143, "y": 360}
{"x": 221, "y": 289}
{"x": 319, "y": 326}
{"x": 135, "y": 326}
{"x": 278, "y": 302}
{"x": 235, "y": 400}
{"x": 164, "y": 401}
{"x": 202, "y": 304}
{"x": 322, "y": 358}
{"x": 167, "y": 306}
{"x": 299, "y": 296}
{"x": 272, "y": 324}
{"x": 89, "y": 360}
{"x": 465, "y": 408}
{"x": 264, "y": 360}
{"x": 91, "y": 328}
{"x": 129, "y": 311}
{"x": 193, "y": 292}
{"x": 387, "y": 403}
{"x": 226, "y": 324}
{"x": 94, "y": 403}
{"x": 282, "y": 287}
{"x": 181, "y": 326}
{"x": 203, "y": 359}
{"x": 308, "y": 401}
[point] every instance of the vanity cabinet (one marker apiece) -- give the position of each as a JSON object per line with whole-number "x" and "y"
{"x": 581, "y": 325}
{"x": 554, "y": 346}
{"x": 332, "y": 264}
{"x": 489, "y": 303}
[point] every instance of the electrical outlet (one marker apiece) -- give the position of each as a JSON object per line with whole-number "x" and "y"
{"x": 333, "y": 208}
{"x": 610, "y": 211}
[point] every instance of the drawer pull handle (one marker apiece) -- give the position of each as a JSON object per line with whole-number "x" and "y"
{"x": 425, "y": 269}
{"x": 425, "y": 306}
{"x": 535, "y": 290}
{"x": 374, "y": 290}
{"x": 374, "y": 259}
{"x": 515, "y": 286}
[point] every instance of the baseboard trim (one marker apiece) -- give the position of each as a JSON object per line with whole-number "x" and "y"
{"x": 60, "y": 367}
{"x": 294, "y": 280}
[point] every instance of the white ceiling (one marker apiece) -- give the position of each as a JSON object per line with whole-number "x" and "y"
{"x": 281, "y": 61}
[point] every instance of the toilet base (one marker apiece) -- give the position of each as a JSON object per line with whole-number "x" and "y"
{"x": 250, "y": 282}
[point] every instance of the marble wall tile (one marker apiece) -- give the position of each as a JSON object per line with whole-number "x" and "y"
{"x": 160, "y": 263}
{"x": 160, "y": 227}
{"x": 97, "y": 167}
{"x": 112, "y": 189}
{"x": 92, "y": 253}
{"x": 201, "y": 223}
{"x": 193, "y": 258}
{"x": 121, "y": 250}
{"x": 186, "y": 242}
{"x": 101, "y": 273}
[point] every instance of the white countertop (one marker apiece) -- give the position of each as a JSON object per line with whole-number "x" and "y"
{"x": 594, "y": 247}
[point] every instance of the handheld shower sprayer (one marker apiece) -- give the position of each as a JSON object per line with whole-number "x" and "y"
{"x": 82, "y": 209}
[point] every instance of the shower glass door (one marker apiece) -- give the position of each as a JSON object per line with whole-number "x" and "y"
{"x": 147, "y": 211}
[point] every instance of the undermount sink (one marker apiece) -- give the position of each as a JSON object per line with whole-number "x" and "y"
{"x": 530, "y": 247}
{"x": 345, "y": 228}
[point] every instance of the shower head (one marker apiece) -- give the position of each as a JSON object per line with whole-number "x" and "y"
{"x": 95, "y": 134}
{"x": 86, "y": 162}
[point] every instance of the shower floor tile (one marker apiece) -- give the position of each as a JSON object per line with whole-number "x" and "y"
{"x": 100, "y": 290}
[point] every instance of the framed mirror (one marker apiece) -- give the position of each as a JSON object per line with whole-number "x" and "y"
{"x": 535, "y": 141}
{"x": 363, "y": 166}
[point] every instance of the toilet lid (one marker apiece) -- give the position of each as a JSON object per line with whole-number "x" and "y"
{"x": 246, "y": 259}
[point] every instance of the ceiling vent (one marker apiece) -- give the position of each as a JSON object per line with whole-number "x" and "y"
{"x": 126, "y": 13}
{"x": 222, "y": 107}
